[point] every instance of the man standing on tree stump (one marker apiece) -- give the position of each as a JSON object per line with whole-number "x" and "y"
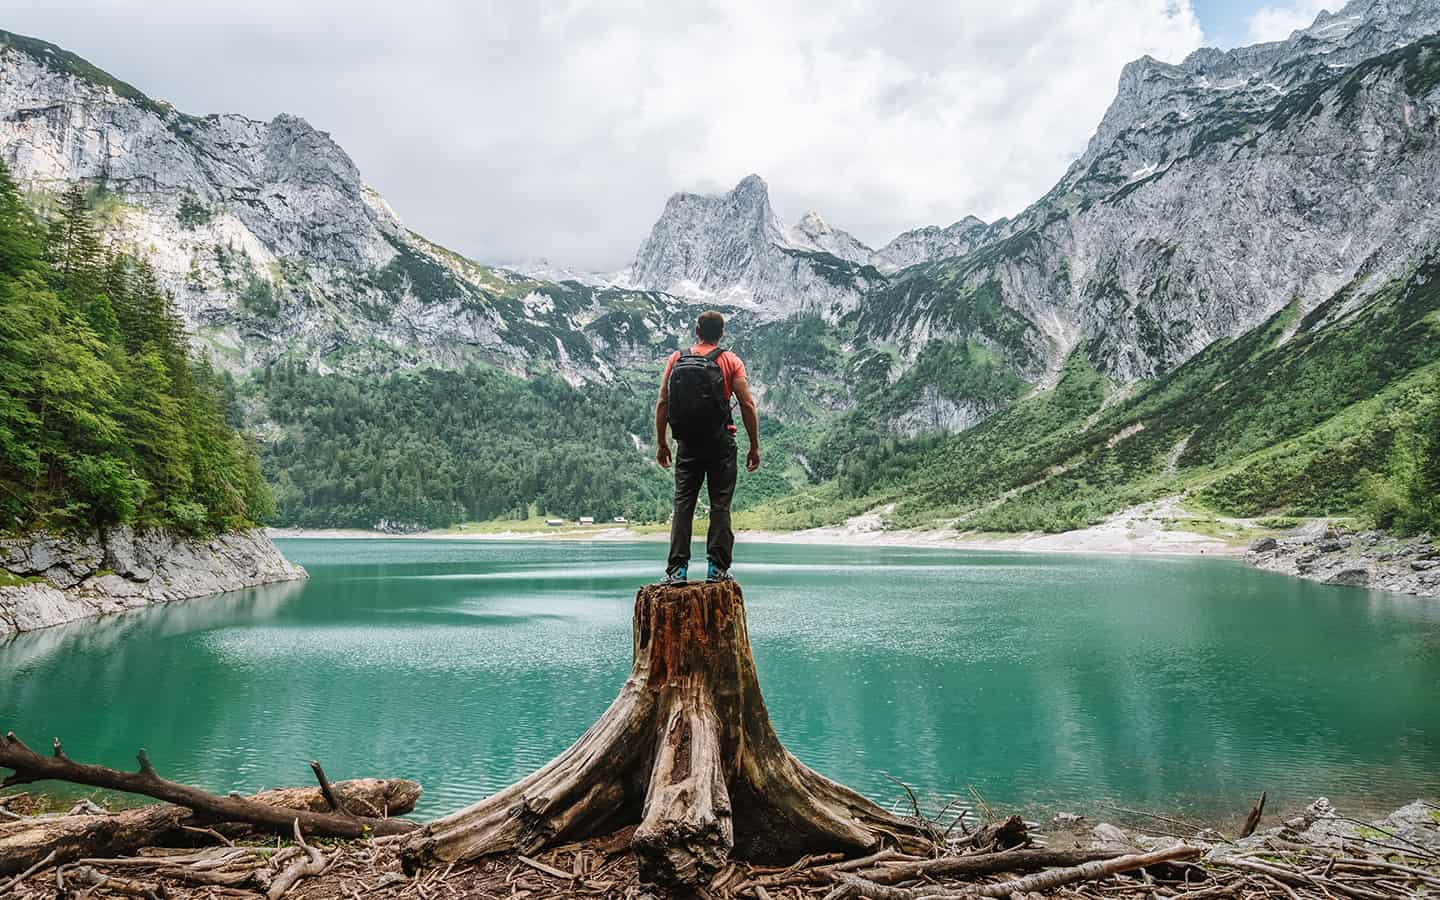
{"x": 694, "y": 404}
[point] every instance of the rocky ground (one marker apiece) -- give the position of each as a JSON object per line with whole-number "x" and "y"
{"x": 53, "y": 579}
{"x": 1334, "y": 555}
{"x": 1319, "y": 852}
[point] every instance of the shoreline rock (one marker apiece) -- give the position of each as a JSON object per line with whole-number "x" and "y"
{"x": 70, "y": 577}
{"x": 1369, "y": 559}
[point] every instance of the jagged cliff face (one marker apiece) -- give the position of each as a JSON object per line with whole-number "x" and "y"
{"x": 921, "y": 245}
{"x": 1217, "y": 191}
{"x": 1213, "y": 194}
{"x": 732, "y": 248}
{"x": 271, "y": 243}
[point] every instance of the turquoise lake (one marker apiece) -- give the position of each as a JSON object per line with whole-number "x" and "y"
{"x": 1180, "y": 685}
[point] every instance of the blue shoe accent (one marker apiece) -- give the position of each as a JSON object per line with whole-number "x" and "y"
{"x": 677, "y": 576}
{"x": 714, "y": 573}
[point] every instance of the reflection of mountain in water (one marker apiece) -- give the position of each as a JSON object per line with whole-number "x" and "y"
{"x": 245, "y": 607}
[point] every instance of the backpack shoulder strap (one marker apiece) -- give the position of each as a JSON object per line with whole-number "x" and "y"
{"x": 714, "y": 355}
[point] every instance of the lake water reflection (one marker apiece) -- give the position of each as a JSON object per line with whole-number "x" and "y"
{"x": 1042, "y": 681}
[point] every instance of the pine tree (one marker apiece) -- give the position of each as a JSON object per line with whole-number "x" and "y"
{"x": 1428, "y": 499}
{"x": 104, "y": 418}
{"x": 78, "y": 257}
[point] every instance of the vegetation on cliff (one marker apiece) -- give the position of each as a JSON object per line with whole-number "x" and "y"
{"x": 105, "y": 418}
{"x": 1334, "y": 412}
{"x": 1331, "y": 413}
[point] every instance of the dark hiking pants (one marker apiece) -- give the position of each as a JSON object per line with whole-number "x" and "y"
{"x": 713, "y": 464}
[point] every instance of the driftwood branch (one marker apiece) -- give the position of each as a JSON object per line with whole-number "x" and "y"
{"x": 326, "y": 789}
{"x": 987, "y": 863}
{"x": 313, "y": 863}
{"x": 1043, "y": 881}
{"x": 29, "y": 766}
{"x": 96, "y": 835}
{"x": 1252, "y": 821}
{"x": 1002, "y": 835}
{"x": 97, "y": 880}
{"x": 47, "y": 860}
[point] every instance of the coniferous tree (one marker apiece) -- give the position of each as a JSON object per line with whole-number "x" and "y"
{"x": 104, "y": 417}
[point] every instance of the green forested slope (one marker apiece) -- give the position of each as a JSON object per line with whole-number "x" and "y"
{"x": 1335, "y": 413}
{"x": 104, "y": 418}
{"x": 430, "y": 448}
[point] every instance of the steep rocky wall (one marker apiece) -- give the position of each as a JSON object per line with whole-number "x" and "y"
{"x": 73, "y": 577}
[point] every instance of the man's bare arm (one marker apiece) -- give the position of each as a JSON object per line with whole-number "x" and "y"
{"x": 741, "y": 389}
{"x": 662, "y": 423}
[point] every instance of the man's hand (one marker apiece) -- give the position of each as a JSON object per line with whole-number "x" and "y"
{"x": 662, "y": 455}
{"x": 752, "y": 459}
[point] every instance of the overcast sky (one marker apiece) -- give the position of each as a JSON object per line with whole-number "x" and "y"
{"x": 525, "y": 129}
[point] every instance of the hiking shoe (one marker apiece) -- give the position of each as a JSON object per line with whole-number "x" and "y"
{"x": 676, "y": 576}
{"x": 714, "y": 573}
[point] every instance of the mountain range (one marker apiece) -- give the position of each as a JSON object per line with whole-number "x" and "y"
{"x": 1294, "y": 181}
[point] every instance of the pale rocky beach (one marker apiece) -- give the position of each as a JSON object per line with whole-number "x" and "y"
{"x": 1148, "y": 528}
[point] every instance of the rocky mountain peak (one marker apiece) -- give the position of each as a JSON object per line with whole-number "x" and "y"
{"x": 932, "y": 242}
{"x": 815, "y": 234}
{"x": 1150, "y": 122}
{"x": 272, "y": 244}
{"x": 732, "y": 247}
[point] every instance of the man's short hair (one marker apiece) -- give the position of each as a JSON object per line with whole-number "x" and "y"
{"x": 710, "y": 326}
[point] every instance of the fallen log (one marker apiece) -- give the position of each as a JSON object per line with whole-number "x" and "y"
{"x": 71, "y": 838}
{"x": 1042, "y": 881}
{"x": 29, "y": 766}
{"x": 986, "y": 864}
{"x": 1002, "y": 835}
{"x": 687, "y": 751}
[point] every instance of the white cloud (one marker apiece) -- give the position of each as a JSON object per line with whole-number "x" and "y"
{"x": 1275, "y": 23}
{"x": 512, "y": 129}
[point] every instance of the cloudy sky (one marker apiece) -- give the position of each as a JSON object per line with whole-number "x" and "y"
{"x": 519, "y": 129}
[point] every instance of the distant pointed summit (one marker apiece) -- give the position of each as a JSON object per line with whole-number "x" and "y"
{"x": 814, "y": 233}
{"x": 732, "y": 247}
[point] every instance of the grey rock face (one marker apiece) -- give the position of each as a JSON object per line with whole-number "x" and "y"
{"x": 731, "y": 247}
{"x": 1216, "y": 192}
{"x": 922, "y": 245}
{"x": 1213, "y": 194}
{"x": 271, "y": 243}
{"x": 814, "y": 233}
{"x": 75, "y": 577}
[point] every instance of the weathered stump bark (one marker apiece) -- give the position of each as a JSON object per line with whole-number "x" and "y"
{"x": 686, "y": 751}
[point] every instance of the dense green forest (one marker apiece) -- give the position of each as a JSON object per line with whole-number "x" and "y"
{"x": 105, "y": 418}
{"x": 430, "y": 448}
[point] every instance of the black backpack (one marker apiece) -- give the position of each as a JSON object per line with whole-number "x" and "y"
{"x": 696, "y": 406}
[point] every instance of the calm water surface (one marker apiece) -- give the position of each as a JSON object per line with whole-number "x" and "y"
{"x": 1042, "y": 681}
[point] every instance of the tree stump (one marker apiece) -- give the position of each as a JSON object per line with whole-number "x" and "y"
{"x": 687, "y": 752}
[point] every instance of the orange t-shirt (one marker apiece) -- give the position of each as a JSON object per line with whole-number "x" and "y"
{"x": 728, "y": 362}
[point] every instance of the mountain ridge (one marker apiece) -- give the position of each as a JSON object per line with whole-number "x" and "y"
{"x": 1198, "y": 214}
{"x": 273, "y": 245}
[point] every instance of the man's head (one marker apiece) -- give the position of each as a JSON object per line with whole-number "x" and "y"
{"x": 710, "y": 326}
